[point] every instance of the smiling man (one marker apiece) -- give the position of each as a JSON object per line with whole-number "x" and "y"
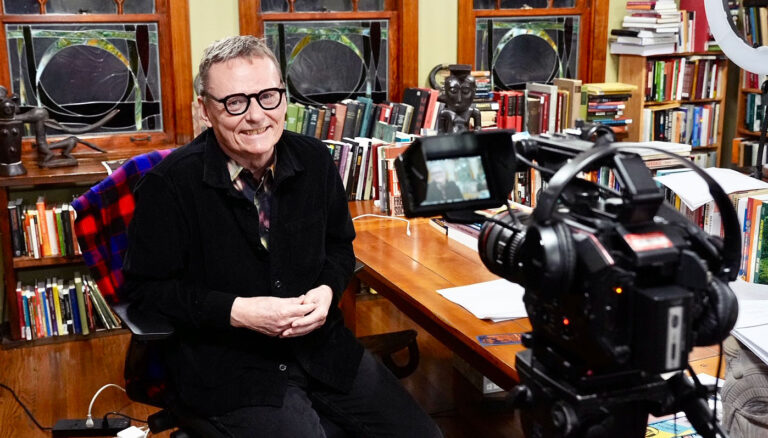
{"x": 242, "y": 239}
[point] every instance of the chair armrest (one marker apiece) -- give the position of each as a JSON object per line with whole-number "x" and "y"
{"x": 143, "y": 327}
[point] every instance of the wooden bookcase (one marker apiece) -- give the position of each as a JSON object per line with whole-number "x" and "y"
{"x": 170, "y": 18}
{"x": 632, "y": 70}
{"x": 89, "y": 171}
{"x": 741, "y": 113}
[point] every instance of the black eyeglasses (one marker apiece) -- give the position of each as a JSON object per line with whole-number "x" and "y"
{"x": 236, "y": 104}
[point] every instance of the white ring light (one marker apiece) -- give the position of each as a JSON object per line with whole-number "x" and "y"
{"x": 752, "y": 59}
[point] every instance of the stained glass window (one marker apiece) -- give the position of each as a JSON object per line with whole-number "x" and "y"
{"x": 328, "y": 61}
{"x": 79, "y": 6}
{"x": 80, "y": 72}
{"x": 21, "y": 6}
{"x": 548, "y": 46}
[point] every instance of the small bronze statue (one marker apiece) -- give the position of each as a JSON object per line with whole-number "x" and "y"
{"x": 458, "y": 94}
{"x": 11, "y": 131}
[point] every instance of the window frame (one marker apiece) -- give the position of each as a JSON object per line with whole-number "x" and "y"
{"x": 593, "y": 32}
{"x": 403, "y": 17}
{"x": 172, "y": 20}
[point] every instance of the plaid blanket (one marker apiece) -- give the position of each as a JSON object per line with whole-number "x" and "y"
{"x": 103, "y": 215}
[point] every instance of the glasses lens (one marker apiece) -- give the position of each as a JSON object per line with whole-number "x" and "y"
{"x": 237, "y": 104}
{"x": 269, "y": 99}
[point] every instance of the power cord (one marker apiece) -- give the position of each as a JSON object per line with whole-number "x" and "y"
{"x": 128, "y": 417}
{"x": 23, "y": 406}
{"x": 89, "y": 417}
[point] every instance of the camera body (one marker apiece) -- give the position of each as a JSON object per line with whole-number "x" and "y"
{"x": 616, "y": 281}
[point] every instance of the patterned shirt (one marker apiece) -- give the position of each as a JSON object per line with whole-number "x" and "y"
{"x": 258, "y": 192}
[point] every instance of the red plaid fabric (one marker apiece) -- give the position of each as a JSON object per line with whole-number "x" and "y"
{"x": 103, "y": 215}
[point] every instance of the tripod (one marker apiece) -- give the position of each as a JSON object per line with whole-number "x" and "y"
{"x": 620, "y": 407}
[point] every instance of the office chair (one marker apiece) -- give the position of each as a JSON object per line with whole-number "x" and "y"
{"x": 103, "y": 215}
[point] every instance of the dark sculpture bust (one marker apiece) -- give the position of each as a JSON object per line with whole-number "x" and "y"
{"x": 11, "y": 132}
{"x": 458, "y": 94}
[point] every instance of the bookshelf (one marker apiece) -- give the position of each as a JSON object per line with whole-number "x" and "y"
{"x": 89, "y": 171}
{"x": 633, "y": 70}
{"x": 745, "y": 115}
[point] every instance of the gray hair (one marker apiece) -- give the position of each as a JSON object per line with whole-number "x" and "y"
{"x": 240, "y": 46}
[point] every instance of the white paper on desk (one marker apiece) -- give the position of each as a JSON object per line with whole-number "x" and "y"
{"x": 754, "y": 338}
{"x": 694, "y": 192}
{"x": 498, "y": 300}
{"x": 752, "y": 326}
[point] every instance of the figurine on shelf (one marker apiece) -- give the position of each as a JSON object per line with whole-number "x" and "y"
{"x": 10, "y": 136}
{"x": 11, "y": 131}
{"x": 458, "y": 94}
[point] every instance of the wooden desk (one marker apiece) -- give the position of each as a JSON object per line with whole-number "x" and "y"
{"x": 408, "y": 270}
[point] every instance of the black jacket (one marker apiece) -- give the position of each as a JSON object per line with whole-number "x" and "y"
{"x": 194, "y": 246}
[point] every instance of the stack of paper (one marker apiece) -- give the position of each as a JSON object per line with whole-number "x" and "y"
{"x": 497, "y": 300}
{"x": 694, "y": 192}
{"x": 752, "y": 326}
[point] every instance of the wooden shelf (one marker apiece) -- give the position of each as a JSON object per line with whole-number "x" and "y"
{"x": 31, "y": 262}
{"x": 89, "y": 170}
{"x": 682, "y": 102}
{"x": 9, "y": 343}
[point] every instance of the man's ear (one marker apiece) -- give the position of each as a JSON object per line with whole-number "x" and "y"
{"x": 204, "y": 112}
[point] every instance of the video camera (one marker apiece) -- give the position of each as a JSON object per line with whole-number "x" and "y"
{"x": 619, "y": 286}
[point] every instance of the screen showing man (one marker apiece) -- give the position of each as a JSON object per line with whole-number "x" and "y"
{"x": 455, "y": 180}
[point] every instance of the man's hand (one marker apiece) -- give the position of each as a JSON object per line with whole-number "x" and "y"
{"x": 270, "y": 315}
{"x": 320, "y": 298}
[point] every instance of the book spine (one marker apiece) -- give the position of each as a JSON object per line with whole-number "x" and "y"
{"x": 81, "y": 308}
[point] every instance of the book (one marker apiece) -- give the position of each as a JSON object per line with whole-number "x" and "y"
{"x": 642, "y": 50}
{"x": 350, "y": 120}
{"x": 81, "y": 307}
{"x": 549, "y": 104}
{"x": 43, "y": 226}
{"x": 365, "y": 122}
{"x": 291, "y": 116}
{"x": 573, "y": 87}
{"x": 418, "y": 98}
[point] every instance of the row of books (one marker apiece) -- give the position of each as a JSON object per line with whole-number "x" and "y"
{"x": 367, "y": 170}
{"x": 753, "y": 80}
{"x": 362, "y": 117}
{"x": 42, "y": 230}
{"x": 753, "y": 111}
{"x": 744, "y": 152}
{"x": 755, "y": 25}
{"x": 694, "y": 124}
{"x": 752, "y": 210}
{"x": 694, "y": 77}
{"x": 57, "y": 308}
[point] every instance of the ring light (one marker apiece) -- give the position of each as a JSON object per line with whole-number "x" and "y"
{"x": 752, "y": 59}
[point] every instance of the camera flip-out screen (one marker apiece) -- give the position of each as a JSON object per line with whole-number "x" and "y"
{"x": 467, "y": 171}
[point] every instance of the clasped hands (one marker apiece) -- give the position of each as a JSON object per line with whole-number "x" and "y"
{"x": 283, "y": 317}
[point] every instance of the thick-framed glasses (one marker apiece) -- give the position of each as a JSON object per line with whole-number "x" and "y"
{"x": 236, "y": 104}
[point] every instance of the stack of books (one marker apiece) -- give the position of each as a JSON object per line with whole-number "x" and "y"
{"x": 649, "y": 28}
{"x": 605, "y": 103}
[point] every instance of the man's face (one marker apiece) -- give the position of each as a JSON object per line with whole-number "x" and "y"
{"x": 248, "y": 138}
{"x": 438, "y": 176}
